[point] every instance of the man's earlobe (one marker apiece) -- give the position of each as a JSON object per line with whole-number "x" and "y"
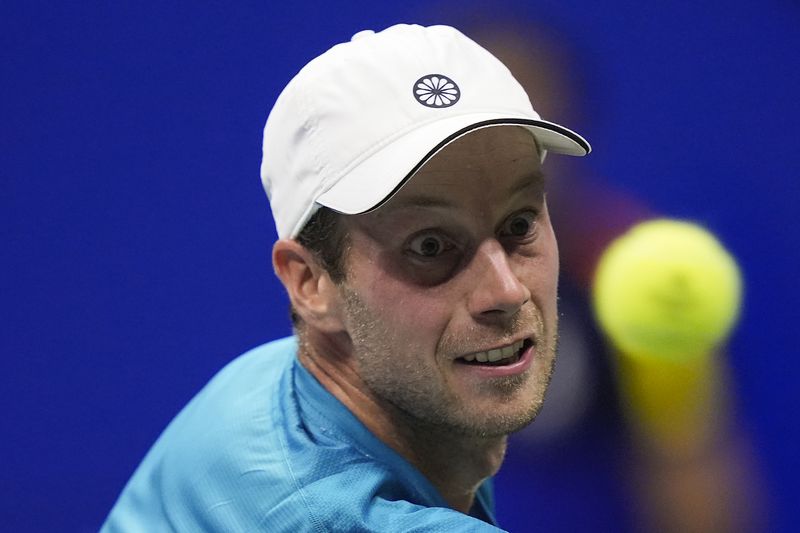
{"x": 312, "y": 292}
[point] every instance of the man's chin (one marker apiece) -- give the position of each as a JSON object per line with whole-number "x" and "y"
{"x": 499, "y": 423}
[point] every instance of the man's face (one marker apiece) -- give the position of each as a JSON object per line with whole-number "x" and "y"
{"x": 461, "y": 261}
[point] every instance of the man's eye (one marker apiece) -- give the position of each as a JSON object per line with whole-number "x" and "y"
{"x": 428, "y": 245}
{"x": 519, "y": 225}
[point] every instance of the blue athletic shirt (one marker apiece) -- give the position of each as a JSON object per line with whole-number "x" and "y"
{"x": 265, "y": 447}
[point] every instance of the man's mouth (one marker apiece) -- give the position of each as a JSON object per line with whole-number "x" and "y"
{"x": 507, "y": 355}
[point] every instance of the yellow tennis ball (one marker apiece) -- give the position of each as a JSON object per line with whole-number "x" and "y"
{"x": 667, "y": 289}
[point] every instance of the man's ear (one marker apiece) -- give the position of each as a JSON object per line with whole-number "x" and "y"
{"x": 313, "y": 294}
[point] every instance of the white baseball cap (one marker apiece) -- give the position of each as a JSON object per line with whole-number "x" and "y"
{"x": 358, "y": 121}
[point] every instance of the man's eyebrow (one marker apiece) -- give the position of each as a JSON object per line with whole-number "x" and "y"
{"x": 534, "y": 177}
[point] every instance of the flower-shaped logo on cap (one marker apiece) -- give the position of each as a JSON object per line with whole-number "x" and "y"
{"x": 436, "y": 90}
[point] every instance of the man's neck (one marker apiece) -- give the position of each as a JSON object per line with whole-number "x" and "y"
{"x": 454, "y": 463}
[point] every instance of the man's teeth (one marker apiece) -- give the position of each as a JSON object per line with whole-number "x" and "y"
{"x": 491, "y": 356}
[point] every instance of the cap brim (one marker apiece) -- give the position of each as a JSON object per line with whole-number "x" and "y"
{"x": 375, "y": 179}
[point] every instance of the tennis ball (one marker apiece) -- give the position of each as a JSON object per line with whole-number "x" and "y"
{"x": 667, "y": 289}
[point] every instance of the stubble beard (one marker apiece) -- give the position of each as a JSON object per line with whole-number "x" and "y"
{"x": 416, "y": 393}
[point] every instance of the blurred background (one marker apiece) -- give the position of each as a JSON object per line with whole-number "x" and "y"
{"x": 136, "y": 239}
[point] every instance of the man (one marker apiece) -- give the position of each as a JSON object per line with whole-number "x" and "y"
{"x": 404, "y": 174}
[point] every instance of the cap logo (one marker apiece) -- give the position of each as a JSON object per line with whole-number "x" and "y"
{"x": 436, "y": 90}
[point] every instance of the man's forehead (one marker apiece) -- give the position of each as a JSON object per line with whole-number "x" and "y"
{"x": 436, "y": 193}
{"x": 485, "y": 146}
{"x": 503, "y": 160}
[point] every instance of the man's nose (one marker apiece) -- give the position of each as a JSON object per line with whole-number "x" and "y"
{"x": 498, "y": 292}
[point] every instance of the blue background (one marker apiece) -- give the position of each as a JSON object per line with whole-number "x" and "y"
{"x": 136, "y": 236}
